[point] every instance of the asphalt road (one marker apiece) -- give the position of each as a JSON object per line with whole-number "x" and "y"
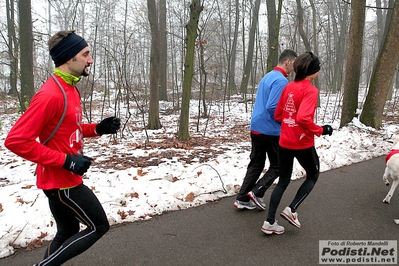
{"x": 346, "y": 204}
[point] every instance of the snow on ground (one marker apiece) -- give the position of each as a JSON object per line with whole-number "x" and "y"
{"x": 129, "y": 192}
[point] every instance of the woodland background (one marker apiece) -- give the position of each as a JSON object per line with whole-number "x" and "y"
{"x": 150, "y": 51}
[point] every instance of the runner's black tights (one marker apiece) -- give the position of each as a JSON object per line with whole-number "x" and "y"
{"x": 309, "y": 160}
{"x": 70, "y": 207}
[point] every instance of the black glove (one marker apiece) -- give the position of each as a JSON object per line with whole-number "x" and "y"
{"x": 327, "y": 130}
{"x": 108, "y": 125}
{"x": 77, "y": 163}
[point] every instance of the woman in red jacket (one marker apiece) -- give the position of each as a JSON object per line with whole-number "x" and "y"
{"x": 295, "y": 111}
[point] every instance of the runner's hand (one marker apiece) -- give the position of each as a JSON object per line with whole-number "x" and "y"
{"x": 77, "y": 163}
{"x": 108, "y": 125}
{"x": 327, "y": 130}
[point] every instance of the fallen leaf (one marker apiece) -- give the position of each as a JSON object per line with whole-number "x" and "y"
{"x": 134, "y": 195}
{"x": 190, "y": 197}
{"x": 140, "y": 172}
{"x": 28, "y": 186}
{"x": 122, "y": 214}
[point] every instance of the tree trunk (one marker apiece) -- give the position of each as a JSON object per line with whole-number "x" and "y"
{"x": 251, "y": 44}
{"x": 300, "y": 27}
{"x": 354, "y": 61}
{"x": 233, "y": 52}
{"x": 381, "y": 79}
{"x": 339, "y": 42}
{"x": 273, "y": 20}
{"x": 191, "y": 28}
{"x": 380, "y": 23}
{"x": 153, "y": 116}
{"x": 203, "y": 81}
{"x": 26, "y": 53}
{"x": 163, "y": 52}
{"x": 304, "y": 37}
{"x": 12, "y": 47}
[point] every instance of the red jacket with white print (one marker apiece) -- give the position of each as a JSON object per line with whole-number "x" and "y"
{"x": 38, "y": 122}
{"x": 296, "y": 110}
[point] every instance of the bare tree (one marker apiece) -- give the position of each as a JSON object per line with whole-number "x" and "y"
{"x": 12, "y": 47}
{"x": 381, "y": 79}
{"x": 153, "y": 116}
{"x": 251, "y": 44}
{"x": 354, "y": 60}
{"x": 232, "y": 57}
{"x": 301, "y": 29}
{"x": 304, "y": 36}
{"x": 380, "y": 22}
{"x": 273, "y": 19}
{"x": 191, "y": 28}
{"x": 163, "y": 52}
{"x": 26, "y": 53}
{"x": 335, "y": 62}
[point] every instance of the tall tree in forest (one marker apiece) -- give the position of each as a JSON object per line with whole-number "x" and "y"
{"x": 304, "y": 36}
{"x": 191, "y": 29}
{"x": 251, "y": 44}
{"x": 380, "y": 22}
{"x": 354, "y": 61}
{"x": 339, "y": 36}
{"x": 301, "y": 29}
{"x": 163, "y": 52}
{"x": 273, "y": 19}
{"x": 26, "y": 53}
{"x": 233, "y": 52}
{"x": 12, "y": 47}
{"x": 153, "y": 115}
{"x": 382, "y": 76}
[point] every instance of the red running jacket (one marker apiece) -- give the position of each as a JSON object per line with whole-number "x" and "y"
{"x": 38, "y": 122}
{"x": 296, "y": 110}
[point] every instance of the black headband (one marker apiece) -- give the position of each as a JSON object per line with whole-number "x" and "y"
{"x": 67, "y": 48}
{"x": 314, "y": 66}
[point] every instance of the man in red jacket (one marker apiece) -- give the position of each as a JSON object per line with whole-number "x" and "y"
{"x": 59, "y": 151}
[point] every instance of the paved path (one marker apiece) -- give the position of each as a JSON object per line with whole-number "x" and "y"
{"x": 346, "y": 204}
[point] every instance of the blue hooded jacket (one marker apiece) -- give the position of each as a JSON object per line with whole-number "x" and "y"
{"x": 269, "y": 92}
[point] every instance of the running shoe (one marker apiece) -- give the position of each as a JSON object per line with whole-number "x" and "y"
{"x": 257, "y": 200}
{"x": 291, "y": 217}
{"x": 244, "y": 205}
{"x": 274, "y": 228}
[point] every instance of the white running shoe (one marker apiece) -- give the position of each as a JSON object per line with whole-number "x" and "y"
{"x": 257, "y": 200}
{"x": 291, "y": 217}
{"x": 269, "y": 229}
{"x": 244, "y": 205}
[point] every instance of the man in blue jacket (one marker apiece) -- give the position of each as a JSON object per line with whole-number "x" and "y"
{"x": 265, "y": 133}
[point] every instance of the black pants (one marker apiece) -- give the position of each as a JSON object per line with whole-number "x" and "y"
{"x": 70, "y": 207}
{"x": 309, "y": 160}
{"x": 262, "y": 145}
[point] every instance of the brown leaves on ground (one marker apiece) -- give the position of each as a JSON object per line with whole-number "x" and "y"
{"x": 28, "y": 187}
{"x": 199, "y": 148}
{"x": 20, "y": 200}
{"x": 134, "y": 195}
{"x": 122, "y": 214}
{"x": 35, "y": 243}
{"x": 190, "y": 197}
{"x": 140, "y": 172}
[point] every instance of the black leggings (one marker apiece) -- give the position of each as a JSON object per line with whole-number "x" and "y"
{"x": 70, "y": 207}
{"x": 309, "y": 160}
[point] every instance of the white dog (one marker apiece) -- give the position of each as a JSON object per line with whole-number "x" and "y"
{"x": 392, "y": 169}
